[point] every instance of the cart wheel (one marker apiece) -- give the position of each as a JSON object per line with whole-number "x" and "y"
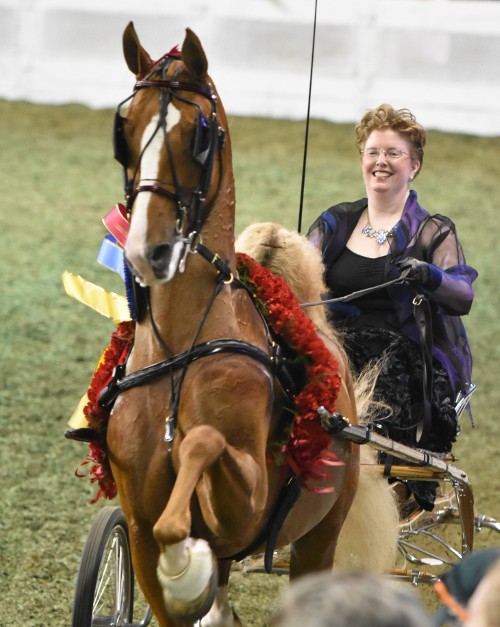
{"x": 104, "y": 593}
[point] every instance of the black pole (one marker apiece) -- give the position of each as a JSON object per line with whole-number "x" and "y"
{"x": 304, "y": 163}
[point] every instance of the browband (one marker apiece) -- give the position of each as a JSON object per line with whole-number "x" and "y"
{"x": 200, "y": 89}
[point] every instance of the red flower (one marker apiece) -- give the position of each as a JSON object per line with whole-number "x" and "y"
{"x": 306, "y": 450}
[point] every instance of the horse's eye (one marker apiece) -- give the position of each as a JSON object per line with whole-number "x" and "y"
{"x": 201, "y": 140}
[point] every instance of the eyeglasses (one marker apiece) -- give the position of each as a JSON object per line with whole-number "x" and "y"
{"x": 390, "y": 153}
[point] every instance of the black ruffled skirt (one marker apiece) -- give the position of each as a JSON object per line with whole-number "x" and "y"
{"x": 400, "y": 387}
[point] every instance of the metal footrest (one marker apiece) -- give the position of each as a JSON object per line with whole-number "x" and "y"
{"x": 413, "y": 576}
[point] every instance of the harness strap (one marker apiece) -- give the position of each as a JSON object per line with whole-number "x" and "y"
{"x": 154, "y": 189}
{"x": 121, "y": 383}
{"x": 388, "y": 465}
{"x": 287, "y": 498}
{"x": 422, "y": 312}
{"x": 199, "y": 89}
{"x": 222, "y": 267}
{"x": 171, "y": 421}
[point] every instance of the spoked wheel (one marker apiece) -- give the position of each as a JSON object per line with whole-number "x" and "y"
{"x": 104, "y": 594}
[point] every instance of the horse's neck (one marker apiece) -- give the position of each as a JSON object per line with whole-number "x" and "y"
{"x": 182, "y": 309}
{"x": 188, "y": 311}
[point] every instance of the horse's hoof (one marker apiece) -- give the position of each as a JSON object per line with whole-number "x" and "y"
{"x": 190, "y": 594}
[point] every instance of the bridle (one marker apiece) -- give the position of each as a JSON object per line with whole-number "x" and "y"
{"x": 192, "y": 208}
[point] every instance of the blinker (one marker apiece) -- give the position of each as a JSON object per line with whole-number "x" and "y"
{"x": 202, "y": 140}
{"x": 120, "y": 146}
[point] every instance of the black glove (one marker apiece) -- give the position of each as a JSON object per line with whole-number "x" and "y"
{"x": 416, "y": 270}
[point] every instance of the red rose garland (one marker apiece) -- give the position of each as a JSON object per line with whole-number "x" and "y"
{"x": 306, "y": 450}
{"x": 97, "y": 417}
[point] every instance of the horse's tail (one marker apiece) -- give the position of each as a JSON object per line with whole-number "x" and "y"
{"x": 364, "y": 386}
{"x": 368, "y": 539}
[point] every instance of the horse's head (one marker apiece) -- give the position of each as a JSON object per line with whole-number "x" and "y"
{"x": 170, "y": 142}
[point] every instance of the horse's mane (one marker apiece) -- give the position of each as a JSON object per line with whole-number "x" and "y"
{"x": 298, "y": 261}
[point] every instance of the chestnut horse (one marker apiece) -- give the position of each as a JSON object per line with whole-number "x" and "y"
{"x": 189, "y": 450}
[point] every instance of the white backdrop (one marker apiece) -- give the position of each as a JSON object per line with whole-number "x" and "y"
{"x": 440, "y": 58}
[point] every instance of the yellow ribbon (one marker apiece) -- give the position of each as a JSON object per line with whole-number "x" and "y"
{"x": 78, "y": 419}
{"x": 106, "y": 303}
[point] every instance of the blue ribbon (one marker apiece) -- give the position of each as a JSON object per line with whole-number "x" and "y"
{"x": 111, "y": 255}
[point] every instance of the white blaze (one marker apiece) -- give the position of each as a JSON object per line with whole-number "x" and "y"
{"x": 150, "y": 165}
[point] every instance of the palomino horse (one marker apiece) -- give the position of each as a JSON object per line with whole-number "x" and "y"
{"x": 190, "y": 450}
{"x": 368, "y": 539}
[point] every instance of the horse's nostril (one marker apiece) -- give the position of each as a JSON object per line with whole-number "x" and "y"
{"x": 159, "y": 259}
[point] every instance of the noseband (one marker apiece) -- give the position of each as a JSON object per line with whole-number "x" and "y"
{"x": 192, "y": 208}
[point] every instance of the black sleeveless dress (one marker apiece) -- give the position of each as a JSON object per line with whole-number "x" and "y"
{"x": 369, "y": 337}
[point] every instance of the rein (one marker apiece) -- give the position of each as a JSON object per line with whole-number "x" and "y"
{"x": 357, "y": 294}
{"x": 171, "y": 419}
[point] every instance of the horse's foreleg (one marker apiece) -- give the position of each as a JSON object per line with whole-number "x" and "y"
{"x": 186, "y": 568}
{"x": 145, "y": 553}
{"x": 201, "y": 447}
{"x": 231, "y": 494}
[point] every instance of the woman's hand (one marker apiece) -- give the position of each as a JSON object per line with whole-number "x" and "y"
{"x": 416, "y": 270}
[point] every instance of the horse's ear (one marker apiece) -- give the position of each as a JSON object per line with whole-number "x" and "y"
{"x": 193, "y": 55}
{"x": 138, "y": 60}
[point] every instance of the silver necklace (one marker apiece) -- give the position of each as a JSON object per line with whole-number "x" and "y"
{"x": 380, "y": 235}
